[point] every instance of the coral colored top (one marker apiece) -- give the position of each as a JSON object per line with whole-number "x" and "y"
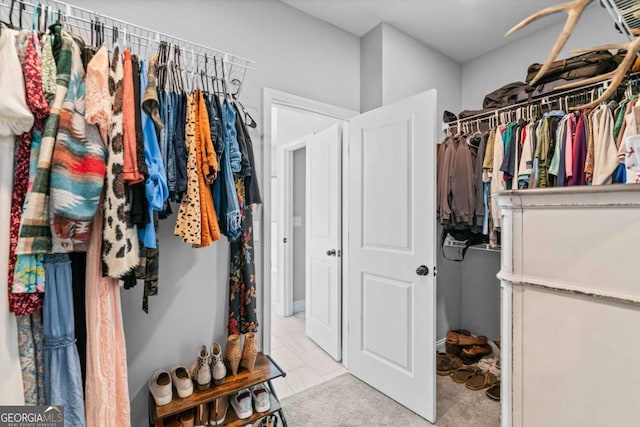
{"x": 130, "y": 170}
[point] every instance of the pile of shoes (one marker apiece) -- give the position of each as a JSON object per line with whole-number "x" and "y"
{"x": 470, "y": 349}
{"x": 210, "y": 369}
{"x": 472, "y": 361}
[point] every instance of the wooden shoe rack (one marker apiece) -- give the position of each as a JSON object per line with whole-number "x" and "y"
{"x": 266, "y": 369}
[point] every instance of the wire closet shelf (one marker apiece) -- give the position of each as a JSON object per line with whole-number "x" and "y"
{"x": 560, "y": 99}
{"x": 145, "y": 41}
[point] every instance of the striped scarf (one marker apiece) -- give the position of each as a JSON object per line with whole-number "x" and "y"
{"x": 35, "y": 232}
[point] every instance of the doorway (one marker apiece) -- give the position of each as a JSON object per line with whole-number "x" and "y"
{"x": 293, "y": 122}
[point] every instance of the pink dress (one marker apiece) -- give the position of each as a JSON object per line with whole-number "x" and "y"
{"x": 107, "y": 389}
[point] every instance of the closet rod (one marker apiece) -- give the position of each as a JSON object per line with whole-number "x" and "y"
{"x": 86, "y": 16}
{"x": 537, "y": 100}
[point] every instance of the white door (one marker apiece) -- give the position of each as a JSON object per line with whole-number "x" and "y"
{"x": 323, "y": 235}
{"x": 391, "y": 227}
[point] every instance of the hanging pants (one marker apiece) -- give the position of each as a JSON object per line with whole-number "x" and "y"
{"x": 63, "y": 378}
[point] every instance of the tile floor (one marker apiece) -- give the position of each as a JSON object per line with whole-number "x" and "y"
{"x": 305, "y": 363}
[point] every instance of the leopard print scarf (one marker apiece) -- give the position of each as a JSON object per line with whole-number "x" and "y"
{"x": 119, "y": 241}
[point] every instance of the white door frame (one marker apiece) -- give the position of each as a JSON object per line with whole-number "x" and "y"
{"x": 270, "y": 98}
{"x": 285, "y": 181}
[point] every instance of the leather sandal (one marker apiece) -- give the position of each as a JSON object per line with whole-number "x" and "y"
{"x": 464, "y": 338}
{"x": 477, "y": 350}
{"x": 462, "y": 375}
{"x": 480, "y": 381}
{"x": 451, "y": 345}
{"x": 445, "y": 363}
{"x": 493, "y": 392}
{"x": 453, "y": 337}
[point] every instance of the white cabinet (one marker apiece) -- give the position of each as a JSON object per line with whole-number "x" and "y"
{"x": 570, "y": 275}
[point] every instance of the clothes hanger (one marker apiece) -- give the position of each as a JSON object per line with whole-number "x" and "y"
{"x": 5, "y": 23}
{"x": 248, "y": 120}
{"x": 46, "y": 16}
{"x": 478, "y": 132}
{"x": 224, "y": 80}
{"x": 216, "y": 81}
{"x": 40, "y": 17}
{"x": 195, "y": 70}
{"x": 95, "y": 33}
{"x": 162, "y": 65}
{"x": 171, "y": 78}
{"x": 21, "y": 8}
{"x": 203, "y": 80}
{"x": 35, "y": 17}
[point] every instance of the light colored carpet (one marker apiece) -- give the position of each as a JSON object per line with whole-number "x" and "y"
{"x": 346, "y": 401}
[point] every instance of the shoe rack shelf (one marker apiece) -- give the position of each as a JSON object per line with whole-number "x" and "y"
{"x": 266, "y": 369}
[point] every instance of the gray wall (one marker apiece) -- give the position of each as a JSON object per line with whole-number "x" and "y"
{"x": 299, "y": 236}
{"x": 480, "y": 293}
{"x": 371, "y": 69}
{"x": 509, "y": 63}
{"x": 410, "y": 67}
{"x": 395, "y": 65}
{"x": 449, "y": 288}
{"x": 295, "y": 53}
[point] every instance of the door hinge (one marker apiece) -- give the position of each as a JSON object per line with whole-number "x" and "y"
{"x": 435, "y": 271}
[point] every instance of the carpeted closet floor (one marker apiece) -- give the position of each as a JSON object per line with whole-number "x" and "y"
{"x": 346, "y": 401}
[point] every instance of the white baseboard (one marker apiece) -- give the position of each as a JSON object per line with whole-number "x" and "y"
{"x": 299, "y": 305}
{"x": 440, "y": 345}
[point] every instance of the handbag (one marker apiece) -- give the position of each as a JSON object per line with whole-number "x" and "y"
{"x": 576, "y": 67}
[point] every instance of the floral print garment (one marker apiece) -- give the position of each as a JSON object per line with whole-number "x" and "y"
{"x": 31, "y": 345}
{"x": 29, "y": 269}
{"x": 243, "y": 315}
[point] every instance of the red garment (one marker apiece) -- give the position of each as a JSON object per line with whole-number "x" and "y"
{"x": 130, "y": 170}
{"x": 579, "y": 154}
{"x": 25, "y": 303}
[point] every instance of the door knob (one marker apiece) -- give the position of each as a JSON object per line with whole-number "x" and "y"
{"x": 423, "y": 270}
{"x": 331, "y": 252}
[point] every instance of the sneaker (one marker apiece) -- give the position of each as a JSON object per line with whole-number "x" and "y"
{"x": 241, "y": 403}
{"x": 160, "y": 387}
{"x": 182, "y": 381}
{"x": 201, "y": 371}
{"x": 218, "y": 370}
{"x": 261, "y": 398}
{"x": 218, "y": 411}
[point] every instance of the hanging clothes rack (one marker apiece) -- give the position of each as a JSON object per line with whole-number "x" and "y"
{"x": 541, "y": 100}
{"x": 198, "y": 57}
